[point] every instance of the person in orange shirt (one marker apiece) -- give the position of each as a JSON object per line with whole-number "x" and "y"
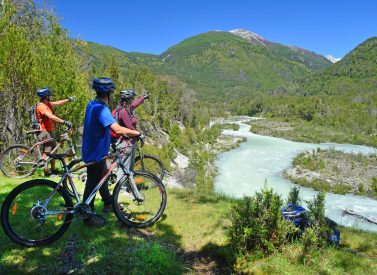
{"x": 46, "y": 119}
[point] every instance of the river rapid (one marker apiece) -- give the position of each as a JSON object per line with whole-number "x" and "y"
{"x": 261, "y": 161}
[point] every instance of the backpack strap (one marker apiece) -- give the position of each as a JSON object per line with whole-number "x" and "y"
{"x": 36, "y": 111}
{"x": 117, "y": 114}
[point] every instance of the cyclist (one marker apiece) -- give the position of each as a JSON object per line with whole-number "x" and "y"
{"x": 96, "y": 143}
{"x": 125, "y": 116}
{"x": 46, "y": 118}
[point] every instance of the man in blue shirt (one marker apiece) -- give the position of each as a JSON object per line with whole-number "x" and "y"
{"x": 96, "y": 143}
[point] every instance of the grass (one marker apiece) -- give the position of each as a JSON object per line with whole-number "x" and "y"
{"x": 190, "y": 238}
{"x": 356, "y": 254}
{"x": 191, "y": 223}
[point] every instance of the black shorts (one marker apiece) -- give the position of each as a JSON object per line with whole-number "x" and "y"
{"x": 48, "y": 146}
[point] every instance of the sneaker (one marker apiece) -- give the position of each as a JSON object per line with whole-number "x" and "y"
{"x": 95, "y": 220}
{"x": 107, "y": 208}
{"x": 55, "y": 172}
{"x": 52, "y": 173}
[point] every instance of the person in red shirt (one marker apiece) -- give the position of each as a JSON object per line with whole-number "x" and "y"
{"x": 46, "y": 119}
{"x": 126, "y": 118}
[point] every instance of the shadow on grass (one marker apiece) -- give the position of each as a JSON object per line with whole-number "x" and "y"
{"x": 111, "y": 249}
{"x": 107, "y": 250}
{"x": 115, "y": 249}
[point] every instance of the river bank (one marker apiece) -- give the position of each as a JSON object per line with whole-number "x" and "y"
{"x": 184, "y": 175}
{"x": 326, "y": 170}
{"x": 306, "y": 131}
{"x": 335, "y": 171}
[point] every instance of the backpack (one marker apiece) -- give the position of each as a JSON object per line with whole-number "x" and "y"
{"x": 34, "y": 122}
{"x": 115, "y": 114}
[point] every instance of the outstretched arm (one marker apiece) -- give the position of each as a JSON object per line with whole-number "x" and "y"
{"x": 119, "y": 130}
{"x": 61, "y": 102}
{"x": 137, "y": 102}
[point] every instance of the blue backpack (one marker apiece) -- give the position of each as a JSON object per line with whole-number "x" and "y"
{"x": 298, "y": 215}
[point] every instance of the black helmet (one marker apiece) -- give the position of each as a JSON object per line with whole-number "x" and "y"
{"x": 44, "y": 92}
{"x": 103, "y": 85}
{"x": 127, "y": 94}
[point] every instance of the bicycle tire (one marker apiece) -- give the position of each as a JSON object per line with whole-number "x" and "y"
{"x": 129, "y": 218}
{"x": 11, "y": 171}
{"x": 8, "y": 209}
{"x": 158, "y": 171}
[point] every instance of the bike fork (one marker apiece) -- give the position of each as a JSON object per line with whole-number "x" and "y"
{"x": 130, "y": 174}
{"x": 135, "y": 191}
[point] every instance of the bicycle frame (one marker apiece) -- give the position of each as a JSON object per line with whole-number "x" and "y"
{"x": 118, "y": 162}
{"x": 38, "y": 145}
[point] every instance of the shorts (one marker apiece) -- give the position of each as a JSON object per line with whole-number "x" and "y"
{"x": 48, "y": 146}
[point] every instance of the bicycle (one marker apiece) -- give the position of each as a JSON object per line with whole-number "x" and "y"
{"x": 149, "y": 163}
{"x": 40, "y": 205}
{"x": 20, "y": 161}
{"x": 143, "y": 162}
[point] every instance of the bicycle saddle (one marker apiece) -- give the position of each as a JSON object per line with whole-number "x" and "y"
{"x": 59, "y": 156}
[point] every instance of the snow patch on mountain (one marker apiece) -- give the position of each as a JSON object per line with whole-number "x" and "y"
{"x": 332, "y": 59}
{"x": 251, "y": 37}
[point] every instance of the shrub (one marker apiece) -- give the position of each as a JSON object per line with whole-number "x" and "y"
{"x": 310, "y": 242}
{"x": 257, "y": 224}
{"x": 317, "y": 214}
{"x": 293, "y": 196}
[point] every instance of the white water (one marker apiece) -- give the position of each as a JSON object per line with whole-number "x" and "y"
{"x": 262, "y": 159}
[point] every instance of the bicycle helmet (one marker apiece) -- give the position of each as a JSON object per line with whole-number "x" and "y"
{"x": 103, "y": 85}
{"x": 44, "y": 92}
{"x": 127, "y": 94}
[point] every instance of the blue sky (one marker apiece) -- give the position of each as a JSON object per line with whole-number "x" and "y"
{"x": 325, "y": 27}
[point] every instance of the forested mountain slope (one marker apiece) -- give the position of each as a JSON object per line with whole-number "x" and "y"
{"x": 218, "y": 64}
{"x": 355, "y": 73}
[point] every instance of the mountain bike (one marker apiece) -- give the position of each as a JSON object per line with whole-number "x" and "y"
{"x": 149, "y": 163}
{"x": 39, "y": 211}
{"x": 143, "y": 162}
{"x": 20, "y": 161}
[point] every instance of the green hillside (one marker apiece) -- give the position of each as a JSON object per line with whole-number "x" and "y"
{"x": 355, "y": 73}
{"x": 217, "y": 64}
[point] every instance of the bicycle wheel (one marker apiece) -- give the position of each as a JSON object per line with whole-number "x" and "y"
{"x": 18, "y": 162}
{"x": 139, "y": 214}
{"x": 24, "y": 218}
{"x": 151, "y": 164}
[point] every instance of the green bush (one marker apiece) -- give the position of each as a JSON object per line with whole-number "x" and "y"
{"x": 310, "y": 241}
{"x": 257, "y": 224}
{"x": 293, "y": 196}
{"x": 316, "y": 209}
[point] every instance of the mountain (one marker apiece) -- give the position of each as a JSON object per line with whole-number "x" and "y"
{"x": 221, "y": 64}
{"x": 332, "y": 59}
{"x": 293, "y": 53}
{"x": 355, "y": 73}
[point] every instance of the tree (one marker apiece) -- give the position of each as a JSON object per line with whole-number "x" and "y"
{"x": 36, "y": 52}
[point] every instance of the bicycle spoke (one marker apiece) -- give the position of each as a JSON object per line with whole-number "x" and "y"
{"x": 17, "y": 161}
{"x": 27, "y": 215}
{"x": 141, "y": 212}
{"x": 151, "y": 165}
